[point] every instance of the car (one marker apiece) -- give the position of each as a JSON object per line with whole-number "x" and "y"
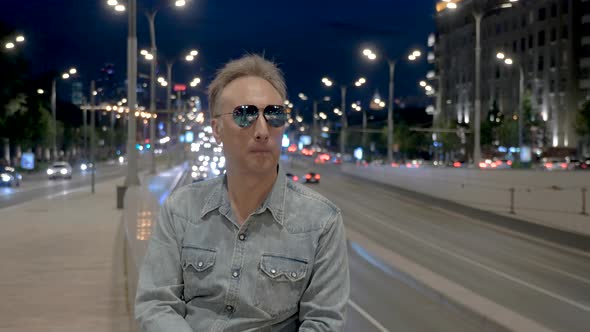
{"x": 555, "y": 164}
{"x": 312, "y": 177}
{"x": 9, "y": 177}
{"x": 458, "y": 164}
{"x": 86, "y": 166}
{"x": 60, "y": 169}
{"x": 293, "y": 177}
{"x": 579, "y": 164}
{"x": 416, "y": 163}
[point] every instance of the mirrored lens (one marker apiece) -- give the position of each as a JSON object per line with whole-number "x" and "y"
{"x": 245, "y": 115}
{"x": 275, "y": 115}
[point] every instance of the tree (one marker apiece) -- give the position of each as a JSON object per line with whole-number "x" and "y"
{"x": 583, "y": 120}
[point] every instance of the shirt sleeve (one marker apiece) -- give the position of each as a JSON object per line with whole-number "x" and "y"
{"x": 159, "y": 305}
{"x": 323, "y": 304}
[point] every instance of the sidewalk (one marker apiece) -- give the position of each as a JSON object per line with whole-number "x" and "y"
{"x": 63, "y": 264}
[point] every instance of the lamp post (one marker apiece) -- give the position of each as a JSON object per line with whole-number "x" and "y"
{"x": 509, "y": 61}
{"x": 132, "y": 178}
{"x": 64, "y": 76}
{"x": 344, "y": 120}
{"x": 478, "y": 15}
{"x": 168, "y": 85}
{"x": 413, "y": 56}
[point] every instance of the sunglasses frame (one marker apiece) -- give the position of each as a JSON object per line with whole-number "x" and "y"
{"x": 239, "y": 118}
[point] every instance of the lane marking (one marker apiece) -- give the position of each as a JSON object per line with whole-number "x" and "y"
{"x": 416, "y": 203}
{"x": 441, "y": 210}
{"x": 482, "y": 266}
{"x": 367, "y": 316}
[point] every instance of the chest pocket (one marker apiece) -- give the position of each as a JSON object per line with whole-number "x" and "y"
{"x": 280, "y": 283}
{"x": 197, "y": 270}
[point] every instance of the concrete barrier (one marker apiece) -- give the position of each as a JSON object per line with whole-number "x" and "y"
{"x": 142, "y": 206}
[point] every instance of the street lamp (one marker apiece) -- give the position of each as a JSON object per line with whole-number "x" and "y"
{"x": 413, "y": 56}
{"x": 478, "y": 15}
{"x": 509, "y": 62}
{"x": 168, "y": 84}
{"x": 132, "y": 177}
{"x": 64, "y": 76}
{"x": 344, "y": 120}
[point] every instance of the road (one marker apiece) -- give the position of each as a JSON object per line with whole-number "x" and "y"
{"x": 547, "y": 285}
{"x": 38, "y": 185}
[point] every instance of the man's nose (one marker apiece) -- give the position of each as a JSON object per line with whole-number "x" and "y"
{"x": 261, "y": 128}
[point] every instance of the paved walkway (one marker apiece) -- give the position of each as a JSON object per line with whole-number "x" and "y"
{"x": 62, "y": 262}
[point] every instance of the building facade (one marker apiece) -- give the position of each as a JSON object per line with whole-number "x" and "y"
{"x": 548, "y": 39}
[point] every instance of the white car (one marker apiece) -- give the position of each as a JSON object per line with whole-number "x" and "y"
{"x": 60, "y": 169}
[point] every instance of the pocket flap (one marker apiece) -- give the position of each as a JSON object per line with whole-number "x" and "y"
{"x": 200, "y": 259}
{"x": 281, "y": 268}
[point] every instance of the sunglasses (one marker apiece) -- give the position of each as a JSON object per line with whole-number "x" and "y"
{"x": 246, "y": 115}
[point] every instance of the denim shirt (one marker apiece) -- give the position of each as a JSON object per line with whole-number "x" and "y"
{"x": 284, "y": 269}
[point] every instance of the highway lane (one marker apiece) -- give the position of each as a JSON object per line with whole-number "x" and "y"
{"x": 38, "y": 185}
{"x": 547, "y": 285}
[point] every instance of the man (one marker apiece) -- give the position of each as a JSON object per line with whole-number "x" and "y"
{"x": 250, "y": 251}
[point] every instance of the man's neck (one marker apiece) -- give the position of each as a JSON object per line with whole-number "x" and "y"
{"x": 246, "y": 193}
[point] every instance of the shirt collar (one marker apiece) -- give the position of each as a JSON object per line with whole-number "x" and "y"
{"x": 218, "y": 198}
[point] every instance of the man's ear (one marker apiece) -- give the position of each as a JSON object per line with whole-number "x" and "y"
{"x": 217, "y": 127}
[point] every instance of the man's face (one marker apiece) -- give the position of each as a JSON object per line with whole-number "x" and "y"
{"x": 255, "y": 149}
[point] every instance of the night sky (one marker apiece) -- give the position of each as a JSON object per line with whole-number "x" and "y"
{"x": 309, "y": 39}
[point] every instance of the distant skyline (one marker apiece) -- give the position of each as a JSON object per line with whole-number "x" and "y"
{"x": 309, "y": 39}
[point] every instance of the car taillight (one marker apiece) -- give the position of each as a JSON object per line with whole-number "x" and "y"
{"x": 548, "y": 165}
{"x": 317, "y": 176}
{"x": 509, "y": 162}
{"x": 483, "y": 165}
{"x": 563, "y": 165}
{"x": 494, "y": 165}
{"x": 308, "y": 176}
{"x": 457, "y": 164}
{"x": 408, "y": 165}
{"x": 394, "y": 165}
{"x": 295, "y": 178}
{"x": 498, "y": 163}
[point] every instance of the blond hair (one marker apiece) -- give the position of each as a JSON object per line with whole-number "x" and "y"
{"x": 247, "y": 65}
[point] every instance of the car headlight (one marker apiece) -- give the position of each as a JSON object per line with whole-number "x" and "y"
{"x": 83, "y": 167}
{"x": 194, "y": 174}
{"x": 121, "y": 159}
{"x": 63, "y": 171}
{"x": 49, "y": 171}
{"x": 5, "y": 177}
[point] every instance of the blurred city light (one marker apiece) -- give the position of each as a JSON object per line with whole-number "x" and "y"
{"x": 40, "y": 91}
{"x": 120, "y": 8}
{"x": 65, "y": 76}
{"x": 20, "y": 39}
{"x": 9, "y": 45}
{"x": 112, "y": 3}
{"x": 194, "y": 52}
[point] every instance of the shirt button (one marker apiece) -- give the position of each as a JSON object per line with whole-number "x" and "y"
{"x": 293, "y": 274}
{"x": 235, "y": 274}
{"x": 242, "y": 237}
{"x": 229, "y": 308}
{"x": 200, "y": 264}
{"x": 273, "y": 271}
